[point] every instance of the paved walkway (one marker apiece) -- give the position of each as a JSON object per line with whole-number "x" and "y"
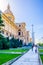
{"x": 30, "y": 58}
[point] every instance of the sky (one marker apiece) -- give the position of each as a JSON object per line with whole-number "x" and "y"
{"x": 28, "y": 11}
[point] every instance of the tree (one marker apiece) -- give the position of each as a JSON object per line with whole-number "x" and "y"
{"x": 1, "y": 23}
{"x": 40, "y": 44}
{"x": 14, "y": 43}
{"x": 4, "y": 42}
{"x": 1, "y": 38}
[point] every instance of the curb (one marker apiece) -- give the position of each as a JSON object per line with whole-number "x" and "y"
{"x": 13, "y": 60}
{"x": 40, "y": 61}
{"x": 11, "y": 52}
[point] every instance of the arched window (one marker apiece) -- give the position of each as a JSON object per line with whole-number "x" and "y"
{"x": 19, "y": 32}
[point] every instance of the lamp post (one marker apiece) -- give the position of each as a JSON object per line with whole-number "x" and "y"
{"x": 33, "y": 41}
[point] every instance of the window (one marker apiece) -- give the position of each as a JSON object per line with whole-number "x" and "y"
{"x": 2, "y": 32}
{"x": 7, "y": 34}
{"x": 9, "y": 17}
{"x": 27, "y": 38}
{"x": 22, "y": 33}
{"x": 19, "y": 33}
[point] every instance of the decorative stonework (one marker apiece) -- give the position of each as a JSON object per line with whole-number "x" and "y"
{"x": 18, "y": 30}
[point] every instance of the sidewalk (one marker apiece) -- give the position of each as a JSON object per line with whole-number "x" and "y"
{"x": 30, "y": 58}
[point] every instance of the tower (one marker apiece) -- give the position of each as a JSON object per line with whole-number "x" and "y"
{"x": 9, "y": 14}
{"x": 8, "y": 7}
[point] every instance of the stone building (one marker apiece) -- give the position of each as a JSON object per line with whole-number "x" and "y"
{"x": 22, "y": 33}
{"x": 11, "y": 28}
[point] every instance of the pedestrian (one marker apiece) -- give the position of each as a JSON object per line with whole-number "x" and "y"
{"x": 35, "y": 48}
{"x": 32, "y": 47}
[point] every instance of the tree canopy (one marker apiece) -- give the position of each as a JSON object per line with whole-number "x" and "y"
{"x": 1, "y": 22}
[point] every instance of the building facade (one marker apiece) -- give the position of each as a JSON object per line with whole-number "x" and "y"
{"x": 22, "y": 33}
{"x": 11, "y": 28}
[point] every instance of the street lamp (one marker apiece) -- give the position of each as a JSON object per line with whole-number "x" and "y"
{"x": 33, "y": 41}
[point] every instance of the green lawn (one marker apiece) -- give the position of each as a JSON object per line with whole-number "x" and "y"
{"x": 40, "y": 50}
{"x": 15, "y": 50}
{"x": 6, "y": 57}
{"x": 41, "y": 57}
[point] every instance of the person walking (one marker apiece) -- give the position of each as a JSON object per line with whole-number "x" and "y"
{"x": 35, "y": 48}
{"x": 32, "y": 47}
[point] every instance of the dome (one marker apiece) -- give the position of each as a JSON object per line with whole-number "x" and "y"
{"x": 9, "y": 14}
{"x": 8, "y": 11}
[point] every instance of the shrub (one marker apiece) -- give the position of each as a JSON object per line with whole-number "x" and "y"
{"x": 4, "y": 43}
{"x": 14, "y": 43}
{"x": 40, "y": 44}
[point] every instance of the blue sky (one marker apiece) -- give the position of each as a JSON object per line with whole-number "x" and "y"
{"x": 30, "y": 12}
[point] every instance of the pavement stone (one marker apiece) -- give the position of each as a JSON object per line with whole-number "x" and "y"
{"x": 29, "y": 58}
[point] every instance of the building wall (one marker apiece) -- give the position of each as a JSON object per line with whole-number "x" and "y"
{"x": 11, "y": 28}
{"x": 24, "y": 35}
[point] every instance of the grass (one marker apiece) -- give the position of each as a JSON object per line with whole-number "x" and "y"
{"x": 15, "y": 50}
{"x": 41, "y": 58}
{"x": 6, "y": 57}
{"x": 40, "y": 50}
{"x": 41, "y": 55}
